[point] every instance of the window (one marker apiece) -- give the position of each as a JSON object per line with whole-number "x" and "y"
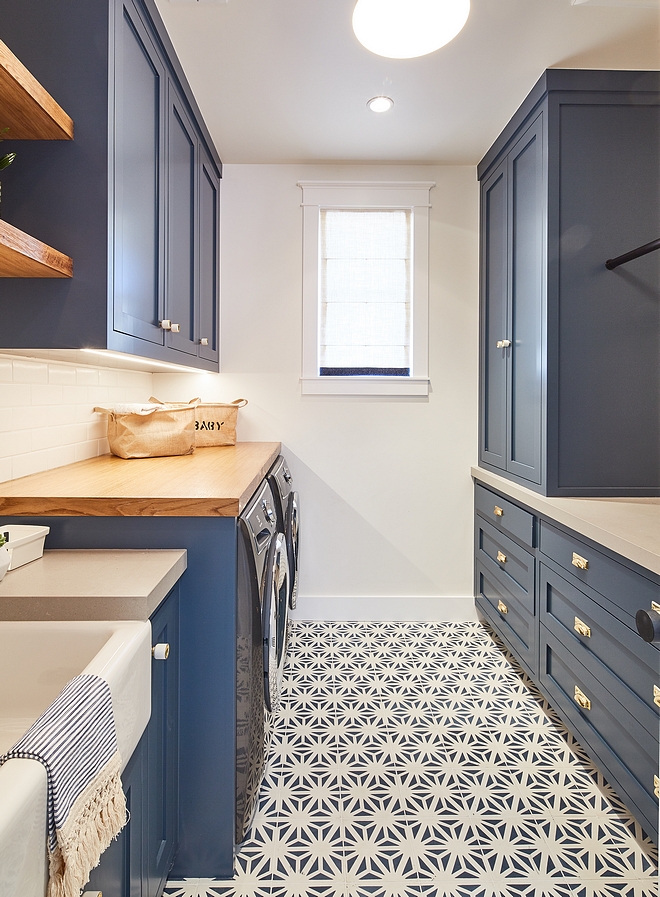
{"x": 365, "y": 288}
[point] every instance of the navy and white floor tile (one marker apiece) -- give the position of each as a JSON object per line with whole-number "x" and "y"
{"x": 416, "y": 760}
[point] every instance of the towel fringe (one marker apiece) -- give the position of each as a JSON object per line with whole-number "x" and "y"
{"x": 96, "y": 818}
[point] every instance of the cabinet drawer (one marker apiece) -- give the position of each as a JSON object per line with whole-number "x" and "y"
{"x": 603, "y": 644}
{"x": 504, "y": 515}
{"x": 505, "y": 559}
{"x": 607, "y": 729}
{"x": 626, "y": 590}
{"x": 508, "y": 615}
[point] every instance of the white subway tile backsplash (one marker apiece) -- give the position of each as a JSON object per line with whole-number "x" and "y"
{"x": 51, "y": 394}
{"x": 46, "y": 416}
{"x": 87, "y": 376}
{"x": 59, "y": 373}
{"x": 27, "y": 371}
{"x": 16, "y": 394}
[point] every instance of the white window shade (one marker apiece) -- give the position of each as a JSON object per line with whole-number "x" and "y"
{"x": 365, "y": 287}
{"x": 365, "y": 259}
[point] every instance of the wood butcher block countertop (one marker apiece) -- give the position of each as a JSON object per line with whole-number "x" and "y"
{"x": 212, "y": 482}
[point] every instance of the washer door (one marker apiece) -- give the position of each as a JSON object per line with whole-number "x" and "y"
{"x": 292, "y": 529}
{"x": 275, "y": 612}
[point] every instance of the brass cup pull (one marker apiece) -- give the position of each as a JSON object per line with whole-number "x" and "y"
{"x": 581, "y": 628}
{"x": 498, "y": 512}
{"x": 502, "y": 608}
{"x": 501, "y": 558}
{"x": 580, "y": 562}
{"x": 656, "y": 786}
{"x": 581, "y": 699}
{"x": 656, "y": 695}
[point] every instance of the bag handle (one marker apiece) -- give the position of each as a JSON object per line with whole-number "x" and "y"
{"x": 240, "y": 403}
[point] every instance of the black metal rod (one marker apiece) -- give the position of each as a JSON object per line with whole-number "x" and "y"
{"x": 633, "y": 254}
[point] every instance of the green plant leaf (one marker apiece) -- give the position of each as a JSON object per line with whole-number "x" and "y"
{"x": 6, "y": 160}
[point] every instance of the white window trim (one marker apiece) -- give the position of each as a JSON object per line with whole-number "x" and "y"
{"x": 413, "y": 195}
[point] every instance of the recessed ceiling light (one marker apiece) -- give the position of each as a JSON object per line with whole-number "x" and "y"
{"x": 380, "y": 104}
{"x": 404, "y": 29}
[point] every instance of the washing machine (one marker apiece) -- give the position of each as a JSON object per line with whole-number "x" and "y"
{"x": 287, "y": 507}
{"x": 263, "y": 596}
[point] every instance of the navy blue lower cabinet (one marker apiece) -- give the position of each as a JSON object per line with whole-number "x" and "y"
{"x": 162, "y": 750}
{"x": 610, "y": 732}
{"x": 137, "y": 863}
{"x": 207, "y": 671}
{"x": 120, "y": 871}
{"x": 565, "y": 606}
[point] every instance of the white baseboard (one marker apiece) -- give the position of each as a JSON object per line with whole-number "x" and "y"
{"x": 404, "y": 608}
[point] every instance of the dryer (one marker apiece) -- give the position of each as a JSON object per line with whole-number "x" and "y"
{"x": 263, "y": 595}
{"x": 287, "y": 507}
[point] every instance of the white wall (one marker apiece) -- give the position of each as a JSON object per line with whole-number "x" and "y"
{"x": 46, "y": 416}
{"x": 385, "y": 486}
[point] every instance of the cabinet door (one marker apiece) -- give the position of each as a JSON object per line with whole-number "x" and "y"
{"x": 209, "y": 251}
{"x": 162, "y": 809}
{"x": 181, "y": 287}
{"x": 119, "y": 872}
{"x": 140, "y": 84}
{"x": 527, "y": 213}
{"x": 494, "y": 323}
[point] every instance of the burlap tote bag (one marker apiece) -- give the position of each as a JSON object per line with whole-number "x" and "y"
{"x": 215, "y": 422}
{"x": 150, "y": 430}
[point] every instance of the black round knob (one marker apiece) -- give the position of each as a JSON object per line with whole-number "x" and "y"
{"x": 648, "y": 625}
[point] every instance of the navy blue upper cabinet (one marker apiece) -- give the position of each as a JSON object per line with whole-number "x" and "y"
{"x": 134, "y": 200}
{"x": 570, "y": 399}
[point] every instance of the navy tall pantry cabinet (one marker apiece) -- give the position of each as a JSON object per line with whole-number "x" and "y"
{"x": 570, "y": 351}
{"x": 134, "y": 197}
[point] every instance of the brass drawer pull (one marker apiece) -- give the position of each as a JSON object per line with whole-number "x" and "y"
{"x": 502, "y": 608}
{"x": 582, "y": 699}
{"x": 655, "y": 606}
{"x": 656, "y": 786}
{"x": 580, "y": 562}
{"x": 582, "y": 628}
{"x": 656, "y": 695}
{"x": 501, "y": 558}
{"x": 498, "y": 512}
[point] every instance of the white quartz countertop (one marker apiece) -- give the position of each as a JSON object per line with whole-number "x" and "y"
{"x": 91, "y": 584}
{"x": 628, "y": 526}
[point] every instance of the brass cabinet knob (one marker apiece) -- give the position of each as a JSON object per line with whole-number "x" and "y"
{"x": 655, "y": 606}
{"x": 166, "y": 324}
{"x": 161, "y": 651}
{"x": 581, "y": 699}
{"x": 203, "y": 341}
{"x": 501, "y": 558}
{"x": 498, "y": 512}
{"x": 656, "y": 786}
{"x": 502, "y": 608}
{"x": 503, "y": 344}
{"x": 175, "y": 328}
{"x": 582, "y": 628}
{"x": 580, "y": 562}
{"x": 656, "y": 695}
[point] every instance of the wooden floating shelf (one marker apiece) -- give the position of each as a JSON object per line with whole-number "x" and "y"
{"x": 26, "y": 108}
{"x": 23, "y": 256}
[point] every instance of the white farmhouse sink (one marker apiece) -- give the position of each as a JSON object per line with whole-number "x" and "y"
{"x": 37, "y": 659}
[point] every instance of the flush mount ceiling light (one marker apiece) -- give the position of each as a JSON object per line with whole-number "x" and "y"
{"x": 380, "y": 104}
{"x": 403, "y": 29}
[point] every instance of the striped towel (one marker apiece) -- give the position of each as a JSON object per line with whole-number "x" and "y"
{"x": 75, "y": 739}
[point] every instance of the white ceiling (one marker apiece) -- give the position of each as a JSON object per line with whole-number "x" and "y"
{"x": 287, "y": 81}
